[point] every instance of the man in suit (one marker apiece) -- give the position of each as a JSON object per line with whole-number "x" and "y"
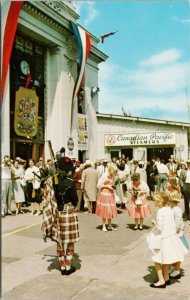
{"x": 89, "y": 182}
{"x": 185, "y": 180}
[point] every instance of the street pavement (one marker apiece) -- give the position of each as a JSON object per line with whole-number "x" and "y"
{"x": 110, "y": 265}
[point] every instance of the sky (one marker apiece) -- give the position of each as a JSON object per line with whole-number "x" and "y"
{"x": 147, "y": 73}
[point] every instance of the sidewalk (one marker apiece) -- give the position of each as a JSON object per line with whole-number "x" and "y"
{"x": 101, "y": 277}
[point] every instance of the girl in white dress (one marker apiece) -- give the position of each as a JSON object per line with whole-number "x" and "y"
{"x": 174, "y": 199}
{"x": 172, "y": 249}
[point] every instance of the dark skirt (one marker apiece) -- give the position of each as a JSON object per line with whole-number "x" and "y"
{"x": 33, "y": 195}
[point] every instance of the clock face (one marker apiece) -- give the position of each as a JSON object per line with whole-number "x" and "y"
{"x": 24, "y": 66}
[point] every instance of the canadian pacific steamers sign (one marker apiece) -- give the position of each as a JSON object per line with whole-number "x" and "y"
{"x": 135, "y": 139}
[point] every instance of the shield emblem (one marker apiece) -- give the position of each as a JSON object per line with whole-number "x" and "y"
{"x": 26, "y": 112}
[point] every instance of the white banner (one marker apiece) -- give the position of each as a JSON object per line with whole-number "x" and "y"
{"x": 140, "y": 139}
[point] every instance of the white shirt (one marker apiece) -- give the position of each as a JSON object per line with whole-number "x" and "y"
{"x": 29, "y": 175}
{"x": 5, "y": 172}
{"x": 187, "y": 176}
{"x": 162, "y": 168}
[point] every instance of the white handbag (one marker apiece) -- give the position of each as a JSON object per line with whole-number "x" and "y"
{"x": 153, "y": 241}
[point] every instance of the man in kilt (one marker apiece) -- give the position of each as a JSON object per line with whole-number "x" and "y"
{"x": 60, "y": 221}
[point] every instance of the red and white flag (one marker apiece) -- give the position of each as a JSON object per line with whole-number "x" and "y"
{"x": 10, "y": 11}
{"x": 106, "y": 35}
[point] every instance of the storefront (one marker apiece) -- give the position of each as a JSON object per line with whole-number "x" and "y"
{"x": 141, "y": 138}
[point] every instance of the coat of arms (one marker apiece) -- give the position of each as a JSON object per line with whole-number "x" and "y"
{"x": 26, "y": 112}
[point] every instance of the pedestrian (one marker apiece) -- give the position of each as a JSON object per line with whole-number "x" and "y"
{"x": 18, "y": 190}
{"x": 139, "y": 208}
{"x": 171, "y": 249}
{"x": 32, "y": 176}
{"x": 152, "y": 172}
{"x": 77, "y": 178}
{"x": 163, "y": 174}
{"x": 185, "y": 183}
{"x": 89, "y": 182}
{"x": 6, "y": 185}
{"x": 106, "y": 206}
{"x": 60, "y": 221}
{"x": 174, "y": 200}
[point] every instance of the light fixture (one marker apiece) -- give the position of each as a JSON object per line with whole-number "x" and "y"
{"x": 94, "y": 91}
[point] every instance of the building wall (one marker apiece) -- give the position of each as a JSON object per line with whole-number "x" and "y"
{"x": 48, "y": 24}
{"x": 111, "y": 125}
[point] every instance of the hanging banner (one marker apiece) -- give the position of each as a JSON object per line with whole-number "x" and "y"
{"x": 26, "y": 112}
{"x": 82, "y": 132}
{"x": 70, "y": 147}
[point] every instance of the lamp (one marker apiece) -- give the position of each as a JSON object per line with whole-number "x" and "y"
{"x": 94, "y": 91}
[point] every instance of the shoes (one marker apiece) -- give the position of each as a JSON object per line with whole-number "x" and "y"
{"x": 140, "y": 228}
{"x": 178, "y": 276}
{"x": 168, "y": 282}
{"x": 21, "y": 211}
{"x": 32, "y": 213}
{"x": 69, "y": 272}
{"x": 63, "y": 272}
{"x": 135, "y": 228}
{"x": 104, "y": 229}
{"x": 112, "y": 228}
{"x": 161, "y": 286}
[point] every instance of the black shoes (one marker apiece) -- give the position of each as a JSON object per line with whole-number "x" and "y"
{"x": 178, "y": 276}
{"x": 161, "y": 286}
{"x": 68, "y": 272}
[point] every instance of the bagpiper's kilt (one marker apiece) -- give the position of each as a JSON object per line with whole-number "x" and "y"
{"x": 68, "y": 225}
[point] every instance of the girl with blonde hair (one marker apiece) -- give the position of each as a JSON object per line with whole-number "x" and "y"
{"x": 106, "y": 205}
{"x": 171, "y": 249}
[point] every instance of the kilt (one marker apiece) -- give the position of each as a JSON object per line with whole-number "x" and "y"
{"x": 68, "y": 227}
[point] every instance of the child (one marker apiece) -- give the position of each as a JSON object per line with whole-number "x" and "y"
{"x": 106, "y": 206}
{"x": 172, "y": 249}
{"x": 173, "y": 185}
{"x": 139, "y": 208}
{"x": 174, "y": 199}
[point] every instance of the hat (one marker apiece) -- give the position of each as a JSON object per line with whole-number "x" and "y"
{"x": 88, "y": 162}
{"x": 65, "y": 164}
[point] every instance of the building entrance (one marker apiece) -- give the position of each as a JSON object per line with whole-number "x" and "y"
{"x": 163, "y": 153}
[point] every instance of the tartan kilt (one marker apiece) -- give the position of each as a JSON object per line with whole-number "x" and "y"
{"x": 68, "y": 227}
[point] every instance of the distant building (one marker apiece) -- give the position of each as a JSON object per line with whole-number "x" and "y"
{"x": 142, "y": 138}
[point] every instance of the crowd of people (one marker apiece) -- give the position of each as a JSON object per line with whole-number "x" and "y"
{"x": 103, "y": 188}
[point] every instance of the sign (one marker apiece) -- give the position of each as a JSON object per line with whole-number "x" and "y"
{"x": 70, "y": 147}
{"x": 26, "y": 112}
{"x": 82, "y": 132}
{"x": 140, "y": 139}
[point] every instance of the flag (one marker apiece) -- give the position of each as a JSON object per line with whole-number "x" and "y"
{"x": 82, "y": 39}
{"x": 10, "y": 15}
{"x": 106, "y": 35}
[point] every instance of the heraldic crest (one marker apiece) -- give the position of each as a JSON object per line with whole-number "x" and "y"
{"x": 26, "y": 112}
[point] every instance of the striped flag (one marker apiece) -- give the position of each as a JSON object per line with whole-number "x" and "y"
{"x": 10, "y": 13}
{"x": 83, "y": 48}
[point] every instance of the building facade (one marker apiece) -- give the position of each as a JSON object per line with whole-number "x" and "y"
{"x": 42, "y": 74}
{"x": 142, "y": 138}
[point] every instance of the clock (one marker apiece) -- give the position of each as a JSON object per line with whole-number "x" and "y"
{"x": 24, "y": 66}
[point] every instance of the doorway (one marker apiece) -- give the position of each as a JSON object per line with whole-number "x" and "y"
{"x": 163, "y": 153}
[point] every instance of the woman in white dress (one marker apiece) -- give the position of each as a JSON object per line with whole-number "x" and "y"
{"x": 18, "y": 190}
{"x": 172, "y": 249}
{"x": 32, "y": 175}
